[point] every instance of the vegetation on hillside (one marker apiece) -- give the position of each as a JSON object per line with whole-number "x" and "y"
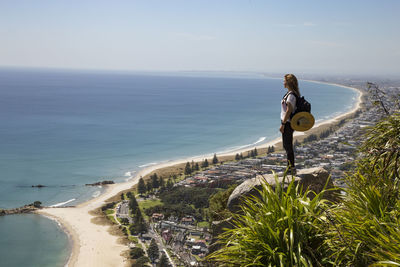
{"x": 287, "y": 228}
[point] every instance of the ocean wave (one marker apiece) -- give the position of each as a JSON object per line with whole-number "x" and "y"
{"x": 129, "y": 174}
{"x": 260, "y": 140}
{"x": 148, "y": 164}
{"x": 96, "y": 194}
{"x": 236, "y": 148}
{"x": 62, "y": 203}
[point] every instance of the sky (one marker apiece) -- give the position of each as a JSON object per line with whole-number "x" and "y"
{"x": 326, "y": 37}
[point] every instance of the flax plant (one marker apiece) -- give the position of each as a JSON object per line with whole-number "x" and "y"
{"x": 277, "y": 228}
{"x": 364, "y": 227}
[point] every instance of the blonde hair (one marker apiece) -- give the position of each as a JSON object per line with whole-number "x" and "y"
{"x": 292, "y": 83}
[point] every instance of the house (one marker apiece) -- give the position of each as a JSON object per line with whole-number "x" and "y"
{"x": 187, "y": 220}
{"x": 157, "y": 217}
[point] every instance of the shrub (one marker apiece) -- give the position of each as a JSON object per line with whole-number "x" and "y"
{"x": 364, "y": 227}
{"x": 279, "y": 228}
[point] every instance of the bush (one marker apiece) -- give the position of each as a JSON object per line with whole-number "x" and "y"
{"x": 280, "y": 228}
{"x": 364, "y": 228}
{"x": 136, "y": 253}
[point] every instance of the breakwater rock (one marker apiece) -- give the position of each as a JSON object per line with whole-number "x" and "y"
{"x": 24, "y": 209}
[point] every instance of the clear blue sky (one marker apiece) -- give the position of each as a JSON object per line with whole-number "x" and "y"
{"x": 356, "y": 37}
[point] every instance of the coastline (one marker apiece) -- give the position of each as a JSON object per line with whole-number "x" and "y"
{"x": 93, "y": 245}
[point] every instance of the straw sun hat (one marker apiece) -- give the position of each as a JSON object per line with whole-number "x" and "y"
{"x": 302, "y": 121}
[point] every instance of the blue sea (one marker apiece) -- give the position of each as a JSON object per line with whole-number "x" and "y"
{"x": 63, "y": 129}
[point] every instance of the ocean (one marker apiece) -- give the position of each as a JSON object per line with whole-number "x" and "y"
{"x": 63, "y": 129}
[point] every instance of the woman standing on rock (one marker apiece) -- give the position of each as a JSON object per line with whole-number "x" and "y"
{"x": 288, "y": 106}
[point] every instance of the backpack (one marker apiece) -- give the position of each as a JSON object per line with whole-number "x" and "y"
{"x": 302, "y": 105}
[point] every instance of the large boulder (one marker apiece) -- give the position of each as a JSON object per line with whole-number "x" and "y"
{"x": 312, "y": 178}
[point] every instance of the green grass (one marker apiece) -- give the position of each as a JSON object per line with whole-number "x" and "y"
{"x": 134, "y": 239}
{"x": 111, "y": 218}
{"x": 145, "y": 204}
{"x": 109, "y": 211}
{"x": 203, "y": 224}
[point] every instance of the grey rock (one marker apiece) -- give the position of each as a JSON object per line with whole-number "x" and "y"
{"x": 312, "y": 178}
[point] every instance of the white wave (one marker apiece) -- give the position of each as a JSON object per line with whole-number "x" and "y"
{"x": 238, "y": 148}
{"x": 148, "y": 164}
{"x": 128, "y": 174}
{"x": 62, "y": 203}
{"x": 96, "y": 194}
{"x": 260, "y": 140}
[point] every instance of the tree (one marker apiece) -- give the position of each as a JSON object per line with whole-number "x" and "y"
{"x": 215, "y": 159}
{"x": 154, "y": 181}
{"x": 124, "y": 221}
{"x": 136, "y": 253}
{"x": 204, "y": 164}
{"x": 149, "y": 186}
{"x": 252, "y": 153}
{"x": 188, "y": 169}
{"x": 133, "y": 205}
{"x": 122, "y": 196}
{"x": 141, "y": 186}
{"x": 153, "y": 251}
{"x": 141, "y": 262}
{"x": 161, "y": 182}
{"x": 129, "y": 194}
{"x": 237, "y": 157}
{"x": 164, "y": 262}
{"x": 196, "y": 167}
{"x": 170, "y": 183}
{"x": 255, "y": 152}
{"x": 37, "y": 204}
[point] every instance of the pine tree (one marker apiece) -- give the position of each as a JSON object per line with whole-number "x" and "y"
{"x": 154, "y": 180}
{"x": 170, "y": 184}
{"x": 196, "y": 167}
{"x": 241, "y": 155}
{"x": 133, "y": 205}
{"x": 255, "y": 152}
{"x": 188, "y": 169}
{"x": 161, "y": 182}
{"x": 153, "y": 251}
{"x": 205, "y": 164}
{"x": 237, "y": 157}
{"x": 164, "y": 262}
{"x": 215, "y": 159}
{"x": 252, "y": 153}
{"x": 272, "y": 149}
{"x": 149, "y": 186}
{"x": 141, "y": 186}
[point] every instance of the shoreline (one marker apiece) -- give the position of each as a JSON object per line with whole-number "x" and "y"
{"x": 93, "y": 245}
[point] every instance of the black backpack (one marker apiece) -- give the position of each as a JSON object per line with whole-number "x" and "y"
{"x": 302, "y": 105}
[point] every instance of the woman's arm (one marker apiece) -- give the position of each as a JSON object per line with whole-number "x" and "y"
{"x": 287, "y": 116}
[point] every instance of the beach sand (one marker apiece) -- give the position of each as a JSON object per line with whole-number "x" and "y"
{"x": 94, "y": 245}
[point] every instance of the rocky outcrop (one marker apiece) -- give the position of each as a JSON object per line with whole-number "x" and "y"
{"x": 38, "y": 186}
{"x": 100, "y": 183}
{"x": 25, "y": 209}
{"x": 312, "y": 178}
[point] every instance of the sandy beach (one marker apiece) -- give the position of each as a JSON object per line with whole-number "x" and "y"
{"x": 93, "y": 245}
